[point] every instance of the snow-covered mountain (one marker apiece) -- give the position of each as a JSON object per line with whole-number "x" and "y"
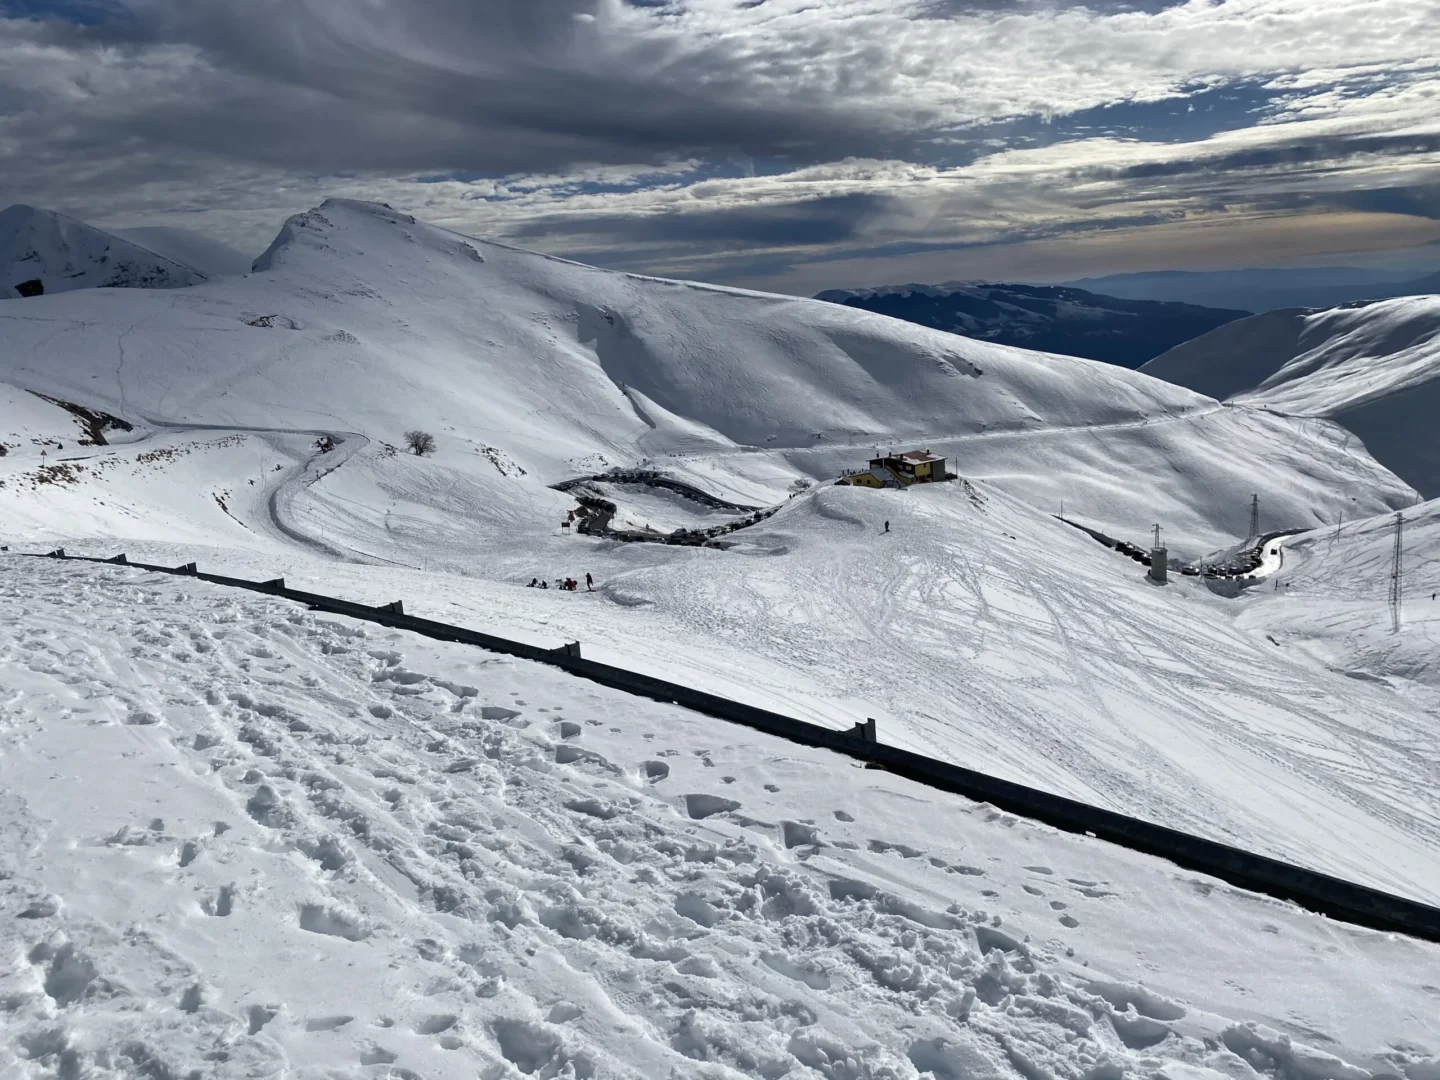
{"x": 1048, "y": 318}
{"x": 1372, "y": 367}
{"x": 188, "y": 248}
{"x": 364, "y": 320}
{"x": 63, "y": 254}
{"x": 517, "y": 873}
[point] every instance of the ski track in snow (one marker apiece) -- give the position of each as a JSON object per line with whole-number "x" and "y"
{"x": 280, "y": 842}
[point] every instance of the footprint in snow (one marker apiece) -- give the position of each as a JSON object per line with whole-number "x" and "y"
{"x": 703, "y": 806}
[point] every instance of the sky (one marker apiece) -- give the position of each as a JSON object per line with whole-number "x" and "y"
{"x": 792, "y": 145}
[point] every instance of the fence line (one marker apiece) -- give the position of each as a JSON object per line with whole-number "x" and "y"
{"x": 1310, "y": 889}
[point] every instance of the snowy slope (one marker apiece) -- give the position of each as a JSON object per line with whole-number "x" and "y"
{"x": 1050, "y": 318}
{"x": 543, "y": 880}
{"x": 188, "y": 248}
{"x": 1333, "y": 599}
{"x": 361, "y": 320}
{"x": 65, "y": 255}
{"x": 279, "y": 843}
{"x": 1374, "y": 368}
{"x": 361, "y": 324}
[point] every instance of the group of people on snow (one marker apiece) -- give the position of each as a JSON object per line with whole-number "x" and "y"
{"x": 568, "y": 584}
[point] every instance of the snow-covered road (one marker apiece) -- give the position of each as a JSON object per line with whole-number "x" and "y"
{"x": 250, "y": 839}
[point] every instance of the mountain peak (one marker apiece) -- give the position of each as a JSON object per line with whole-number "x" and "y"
{"x": 43, "y": 251}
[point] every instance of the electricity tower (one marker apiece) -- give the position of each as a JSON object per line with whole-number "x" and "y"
{"x": 1254, "y": 516}
{"x": 1396, "y": 580}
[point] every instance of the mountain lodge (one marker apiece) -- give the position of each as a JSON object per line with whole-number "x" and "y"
{"x": 900, "y": 471}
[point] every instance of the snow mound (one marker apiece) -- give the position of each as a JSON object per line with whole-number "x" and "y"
{"x": 64, "y": 255}
{"x": 1372, "y": 367}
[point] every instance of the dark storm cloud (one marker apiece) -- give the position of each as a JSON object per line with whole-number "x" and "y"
{"x": 1307, "y": 152}
{"x": 681, "y": 131}
{"x": 495, "y": 87}
{"x": 818, "y": 221}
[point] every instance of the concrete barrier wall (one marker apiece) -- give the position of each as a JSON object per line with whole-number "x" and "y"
{"x": 1309, "y": 889}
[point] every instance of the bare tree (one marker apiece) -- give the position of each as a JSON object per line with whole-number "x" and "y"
{"x": 420, "y": 443}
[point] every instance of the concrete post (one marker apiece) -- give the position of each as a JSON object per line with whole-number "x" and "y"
{"x": 1159, "y": 565}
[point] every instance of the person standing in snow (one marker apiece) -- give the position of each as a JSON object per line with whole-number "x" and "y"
{"x": 887, "y": 526}
{"x": 589, "y": 582}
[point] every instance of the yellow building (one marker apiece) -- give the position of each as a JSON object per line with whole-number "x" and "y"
{"x": 899, "y": 470}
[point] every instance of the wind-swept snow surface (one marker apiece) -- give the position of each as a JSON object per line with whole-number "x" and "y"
{"x": 64, "y": 255}
{"x": 1373, "y": 368}
{"x": 243, "y": 839}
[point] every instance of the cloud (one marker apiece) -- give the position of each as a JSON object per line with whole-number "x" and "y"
{"x": 677, "y": 134}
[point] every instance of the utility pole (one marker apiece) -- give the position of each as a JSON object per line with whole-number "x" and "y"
{"x": 1254, "y": 516}
{"x": 1396, "y": 581}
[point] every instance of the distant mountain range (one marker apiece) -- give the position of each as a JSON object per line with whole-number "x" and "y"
{"x": 1264, "y": 289}
{"x": 43, "y": 252}
{"x": 1048, "y": 318}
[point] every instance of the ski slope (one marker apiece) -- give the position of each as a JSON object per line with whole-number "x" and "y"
{"x": 1374, "y": 368}
{"x": 979, "y": 629}
{"x": 1333, "y": 599}
{"x": 65, "y": 255}
{"x": 282, "y": 843}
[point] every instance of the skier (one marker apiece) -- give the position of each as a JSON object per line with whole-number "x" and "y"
{"x": 589, "y": 583}
{"x": 887, "y": 526}
{"x": 534, "y": 582}
{"x": 544, "y": 584}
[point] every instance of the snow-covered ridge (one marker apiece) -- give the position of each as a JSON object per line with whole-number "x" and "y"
{"x": 64, "y": 255}
{"x": 1372, "y": 367}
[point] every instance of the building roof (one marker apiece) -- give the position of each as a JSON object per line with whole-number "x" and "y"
{"x": 919, "y": 456}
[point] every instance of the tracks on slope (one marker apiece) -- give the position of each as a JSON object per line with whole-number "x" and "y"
{"x": 1310, "y": 889}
